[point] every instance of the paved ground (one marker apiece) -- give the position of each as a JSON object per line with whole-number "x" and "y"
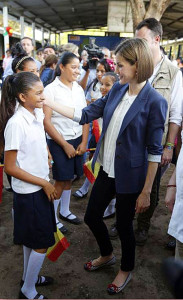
{"x": 71, "y": 281}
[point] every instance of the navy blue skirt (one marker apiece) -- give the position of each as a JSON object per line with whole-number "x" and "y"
{"x": 65, "y": 168}
{"x": 34, "y": 220}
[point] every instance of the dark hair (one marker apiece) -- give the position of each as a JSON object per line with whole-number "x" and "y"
{"x": 27, "y": 38}
{"x": 114, "y": 76}
{"x": 39, "y": 50}
{"x": 49, "y": 46}
{"x": 20, "y": 58}
{"x": 65, "y": 59}
{"x": 152, "y": 24}
{"x": 13, "y": 86}
{"x": 49, "y": 61}
{"x": 107, "y": 68}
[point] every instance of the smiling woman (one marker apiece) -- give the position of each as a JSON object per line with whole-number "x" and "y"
{"x": 128, "y": 150}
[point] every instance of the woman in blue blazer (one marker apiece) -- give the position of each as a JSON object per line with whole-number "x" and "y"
{"x": 129, "y": 151}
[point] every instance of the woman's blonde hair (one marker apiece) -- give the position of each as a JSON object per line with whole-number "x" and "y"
{"x": 70, "y": 47}
{"x": 137, "y": 51}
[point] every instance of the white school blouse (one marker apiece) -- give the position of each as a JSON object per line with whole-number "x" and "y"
{"x": 75, "y": 97}
{"x": 24, "y": 132}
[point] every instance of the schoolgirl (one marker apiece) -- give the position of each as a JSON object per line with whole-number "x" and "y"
{"x": 93, "y": 92}
{"x": 66, "y": 140}
{"x": 26, "y": 160}
{"x": 47, "y": 70}
{"x": 22, "y": 62}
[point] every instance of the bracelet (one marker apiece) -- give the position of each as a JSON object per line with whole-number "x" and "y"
{"x": 169, "y": 147}
{"x": 171, "y": 185}
{"x": 170, "y": 144}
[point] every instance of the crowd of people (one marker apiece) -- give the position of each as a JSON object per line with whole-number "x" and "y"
{"x": 127, "y": 111}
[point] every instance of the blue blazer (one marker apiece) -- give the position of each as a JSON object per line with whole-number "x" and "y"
{"x": 140, "y": 134}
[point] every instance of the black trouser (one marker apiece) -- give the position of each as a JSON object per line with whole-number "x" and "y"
{"x": 101, "y": 195}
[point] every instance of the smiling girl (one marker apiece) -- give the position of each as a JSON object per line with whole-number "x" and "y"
{"x": 26, "y": 160}
{"x": 67, "y": 140}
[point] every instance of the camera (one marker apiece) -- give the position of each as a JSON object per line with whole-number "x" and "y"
{"x": 94, "y": 53}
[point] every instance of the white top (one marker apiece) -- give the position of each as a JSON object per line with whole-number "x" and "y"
{"x": 94, "y": 94}
{"x": 59, "y": 92}
{"x": 107, "y": 152}
{"x": 176, "y": 100}
{"x": 24, "y": 132}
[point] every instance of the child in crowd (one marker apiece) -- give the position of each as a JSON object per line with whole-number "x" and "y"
{"x": 26, "y": 160}
{"x": 66, "y": 139}
{"x": 47, "y": 70}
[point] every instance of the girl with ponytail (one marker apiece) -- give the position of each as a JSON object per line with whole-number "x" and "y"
{"x": 26, "y": 160}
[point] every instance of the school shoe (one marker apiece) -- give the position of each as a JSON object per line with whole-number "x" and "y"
{"x": 141, "y": 237}
{"x": 113, "y": 289}
{"x": 63, "y": 229}
{"x": 89, "y": 267}
{"x": 78, "y": 194}
{"x": 75, "y": 221}
{"x": 22, "y": 296}
{"x": 48, "y": 280}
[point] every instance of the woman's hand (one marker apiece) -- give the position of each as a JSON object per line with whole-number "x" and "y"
{"x": 50, "y": 191}
{"x": 170, "y": 197}
{"x": 143, "y": 202}
{"x": 81, "y": 149}
{"x": 69, "y": 150}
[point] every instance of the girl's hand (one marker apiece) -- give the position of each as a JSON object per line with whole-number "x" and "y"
{"x": 170, "y": 197}
{"x": 69, "y": 150}
{"x": 143, "y": 202}
{"x": 81, "y": 149}
{"x": 50, "y": 191}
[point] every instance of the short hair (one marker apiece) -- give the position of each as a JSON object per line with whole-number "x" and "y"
{"x": 152, "y": 24}
{"x": 137, "y": 51}
{"x": 27, "y": 38}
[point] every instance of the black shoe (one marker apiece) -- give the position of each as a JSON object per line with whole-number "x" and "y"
{"x": 171, "y": 245}
{"x": 113, "y": 233}
{"x": 75, "y": 221}
{"x": 141, "y": 237}
{"x": 9, "y": 189}
{"x": 22, "y": 296}
{"x": 48, "y": 280}
{"x": 78, "y": 194}
{"x": 63, "y": 229}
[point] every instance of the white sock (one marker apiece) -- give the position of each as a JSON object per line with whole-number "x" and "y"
{"x": 65, "y": 203}
{"x": 34, "y": 266}
{"x": 56, "y": 203}
{"x": 26, "y": 252}
{"x": 85, "y": 187}
{"x": 110, "y": 208}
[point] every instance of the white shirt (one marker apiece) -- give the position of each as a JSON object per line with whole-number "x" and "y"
{"x": 24, "y": 132}
{"x": 59, "y": 92}
{"x": 176, "y": 100}
{"x": 107, "y": 152}
{"x": 94, "y": 94}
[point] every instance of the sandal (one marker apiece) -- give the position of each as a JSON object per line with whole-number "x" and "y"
{"x": 114, "y": 289}
{"x": 89, "y": 267}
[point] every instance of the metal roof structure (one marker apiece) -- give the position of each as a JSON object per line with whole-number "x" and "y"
{"x": 66, "y": 15}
